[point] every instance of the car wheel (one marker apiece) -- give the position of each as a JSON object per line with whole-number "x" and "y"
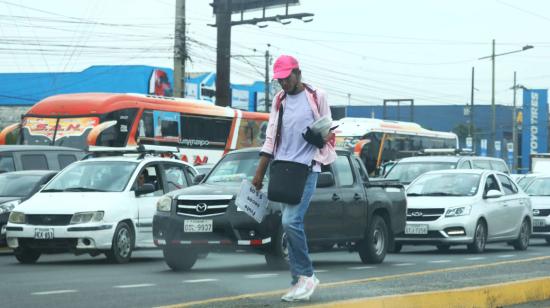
{"x": 372, "y": 249}
{"x": 123, "y": 244}
{"x": 180, "y": 258}
{"x": 276, "y": 255}
{"x": 26, "y": 255}
{"x": 443, "y": 247}
{"x": 522, "y": 242}
{"x": 395, "y": 247}
{"x": 480, "y": 238}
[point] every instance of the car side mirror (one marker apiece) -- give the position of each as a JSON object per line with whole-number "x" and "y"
{"x": 326, "y": 179}
{"x": 198, "y": 178}
{"x": 146, "y": 188}
{"x": 491, "y": 194}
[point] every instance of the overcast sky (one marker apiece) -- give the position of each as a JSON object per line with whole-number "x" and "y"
{"x": 373, "y": 50}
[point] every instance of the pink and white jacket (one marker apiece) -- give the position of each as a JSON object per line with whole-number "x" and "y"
{"x": 317, "y": 99}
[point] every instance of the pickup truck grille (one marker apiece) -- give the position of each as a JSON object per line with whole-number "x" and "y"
{"x": 202, "y": 206}
{"x": 424, "y": 214}
{"x": 49, "y": 220}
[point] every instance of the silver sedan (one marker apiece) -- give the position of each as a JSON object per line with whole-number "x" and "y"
{"x": 472, "y": 207}
{"x": 539, "y": 190}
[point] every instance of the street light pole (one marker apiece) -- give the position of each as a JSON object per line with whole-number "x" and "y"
{"x": 493, "y": 107}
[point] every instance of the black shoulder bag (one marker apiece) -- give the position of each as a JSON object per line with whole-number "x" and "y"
{"x": 287, "y": 179}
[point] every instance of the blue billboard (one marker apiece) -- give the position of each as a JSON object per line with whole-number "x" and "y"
{"x": 535, "y": 124}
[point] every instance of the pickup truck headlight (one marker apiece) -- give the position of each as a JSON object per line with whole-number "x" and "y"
{"x": 84, "y": 217}
{"x": 458, "y": 211}
{"x": 164, "y": 204}
{"x": 17, "y": 218}
{"x": 8, "y": 206}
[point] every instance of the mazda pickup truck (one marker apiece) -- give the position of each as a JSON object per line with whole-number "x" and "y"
{"x": 346, "y": 210}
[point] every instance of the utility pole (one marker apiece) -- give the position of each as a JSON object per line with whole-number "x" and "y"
{"x": 472, "y": 109}
{"x": 493, "y": 107}
{"x": 514, "y": 130}
{"x": 267, "y": 83}
{"x": 223, "y": 55}
{"x": 180, "y": 51}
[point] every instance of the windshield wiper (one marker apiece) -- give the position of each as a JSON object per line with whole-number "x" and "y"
{"x": 84, "y": 189}
{"x": 52, "y": 190}
{"x": 440, "y": 194}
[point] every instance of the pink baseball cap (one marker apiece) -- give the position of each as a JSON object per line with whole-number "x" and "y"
{"x": 283, "y": 66}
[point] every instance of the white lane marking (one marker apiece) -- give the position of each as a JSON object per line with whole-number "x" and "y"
{"x": 506, "y": 256}
{"x": 475, "y": 258}
{"x": 199, "y": 280}
{"x": 403, "y": 264}
{"x": 320, "y": 271}
{"x": 439, "y": 261}
{"x": 360, "y": 267}
{"x": 135, "y": 285}
{"x": 54, "y": 292}
{"x": 255, "y": 276}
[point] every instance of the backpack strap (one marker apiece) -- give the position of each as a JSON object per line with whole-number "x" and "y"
{"x": 279, "y": 127}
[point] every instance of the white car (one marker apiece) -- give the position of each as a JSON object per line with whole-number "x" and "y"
{"x": 472, "y": 207}
{"x": 539, "y": 190}
{"x": 99, "y": 205}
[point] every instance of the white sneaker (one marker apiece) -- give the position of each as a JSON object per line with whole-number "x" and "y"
{"x": 289, "y": 296}
{"x": 306, "y": 287}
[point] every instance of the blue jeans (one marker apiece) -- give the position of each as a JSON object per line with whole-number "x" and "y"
{"x": 293, "y": 225}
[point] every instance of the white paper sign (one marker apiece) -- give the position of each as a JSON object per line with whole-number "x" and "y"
{"x": 252, "y": 202}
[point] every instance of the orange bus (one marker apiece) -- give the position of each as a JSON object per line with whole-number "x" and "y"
{"x": 201, "y": 131}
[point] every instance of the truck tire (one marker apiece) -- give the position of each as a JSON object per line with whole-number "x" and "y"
{"x": 123, "y": 244}
{"x": 179, "y": 258}
{"x": 276, "y": 255}
{"x": 522, "y": 242}
{"x": 26, "y": 255}
{"x": 372, "y": 249}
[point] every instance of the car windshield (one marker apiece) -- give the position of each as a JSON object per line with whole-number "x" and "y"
{"x": 539, "y": 187}
{"x": 406, "y": 172}
{"x": 235, "y": 167}
{"x": 445, "y": 184}
{"x": 17, "y": 185}
{"x": 107, "y": 176}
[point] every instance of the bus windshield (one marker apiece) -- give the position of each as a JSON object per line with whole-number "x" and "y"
{"x": 71, "y": 132}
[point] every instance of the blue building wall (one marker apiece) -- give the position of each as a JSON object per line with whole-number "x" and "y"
{"x": 25, "y": 89}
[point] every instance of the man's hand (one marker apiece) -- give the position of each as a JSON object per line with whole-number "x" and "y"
{"x": 314, "y": 138}
{"x": 257, "y": 182}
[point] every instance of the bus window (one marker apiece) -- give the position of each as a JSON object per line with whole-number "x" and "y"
{"x": 117, "y": 135}
{"x": 204, "y": 132}
{"x": 251, "y": 133}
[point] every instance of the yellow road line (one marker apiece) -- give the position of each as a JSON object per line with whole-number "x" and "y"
{"x": 490, "y": 296}
{"x": 351, "y": 282}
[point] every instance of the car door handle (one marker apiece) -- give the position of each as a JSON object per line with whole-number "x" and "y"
{"x": 335, "y": 197}
{"x": 357, "y": 197}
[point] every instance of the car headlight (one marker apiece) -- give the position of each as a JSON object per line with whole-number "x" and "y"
{"x": 85, "y": 217}
{"x": 8, "y": 206}
{"x": 164, "y": 204}
{"x": 17, "y": 218}
{"x": 458, "y": 211}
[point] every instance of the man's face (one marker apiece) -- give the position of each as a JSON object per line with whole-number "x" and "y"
{"x": 289, "y": 83}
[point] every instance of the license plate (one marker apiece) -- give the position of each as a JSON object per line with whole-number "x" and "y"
{"x": 197, "y": 225}
{"x": 43, "y": 233}
{"x": 416, "y": 229}
{"x": 539, "y": 223}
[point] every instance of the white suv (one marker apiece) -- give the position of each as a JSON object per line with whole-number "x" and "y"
{"x": 99, "y": 205}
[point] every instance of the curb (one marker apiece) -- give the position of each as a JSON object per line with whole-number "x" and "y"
{"x": 494, "y": 295}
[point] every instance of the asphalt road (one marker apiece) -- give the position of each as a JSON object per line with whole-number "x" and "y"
{"x": 222, "y": 280}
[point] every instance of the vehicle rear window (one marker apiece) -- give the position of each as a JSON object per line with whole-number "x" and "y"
{"x": 499, "y": 166}
{"x": 34, "y": 162}
{"x": 6, "y": 163}
{"x": 482, "y": 164}
{"x": 406, "y": 172}
{"x": 65, "y": 160}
